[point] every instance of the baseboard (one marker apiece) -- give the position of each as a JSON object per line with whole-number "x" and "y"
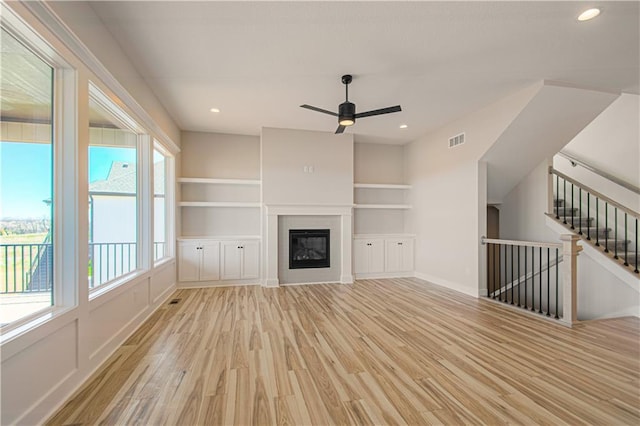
{"x": 381, "y": 275}
{"x": 272, "y": 282}
{"x": 220, "y": 283}
{"x": 448, "y": 284}
{"x": 346, "y": 279}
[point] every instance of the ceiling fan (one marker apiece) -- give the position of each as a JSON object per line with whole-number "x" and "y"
{"x": 347, "y": 110}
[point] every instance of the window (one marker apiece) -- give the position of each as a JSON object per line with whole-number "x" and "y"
{"x": 113, "y": 191}
{"x": 26, "y": 182}
{"x": 160, "y": 165}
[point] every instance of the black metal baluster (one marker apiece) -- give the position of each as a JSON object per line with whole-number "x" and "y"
{"x": 606, "y": 227}
{"x": 533, "y": 278}
{"x": 557, "y": 198}
{"x": 579, "y": 210}
{"x": 573, "y": 215}
{"x": 526, "y": 281}
{"x": 626, "y": 251}
{"x": 502, "y": 291}
{"x": 23, "y": 273}
{"x": 615, "y": 233}
{"x": 519, "y": 278}
{"x": 493, "y": 267}
{"x": 588, "y": 217}
{"x": 512, "y": 271}
{"x": 564, "y": 201}
{"x": 540, "y": 272}
{"x": 557, "y": 281}
{"x": 597, "y": 223}
{"x": 548, "y": 283}
{"x": 636, "y": 270}
{"x": 493, "y": 295}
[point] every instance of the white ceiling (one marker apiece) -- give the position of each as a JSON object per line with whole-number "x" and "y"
{"x": 258, "y": 61}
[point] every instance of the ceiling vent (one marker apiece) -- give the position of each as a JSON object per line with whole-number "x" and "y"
{"x": 456, "y": 140}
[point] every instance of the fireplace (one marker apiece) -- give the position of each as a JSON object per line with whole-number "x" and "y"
{"x": 309, "y": 248}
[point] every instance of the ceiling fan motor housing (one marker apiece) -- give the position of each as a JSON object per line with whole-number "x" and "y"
{"x": 347, "y": 112}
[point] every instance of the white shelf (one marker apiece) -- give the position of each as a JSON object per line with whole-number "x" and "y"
{"x": 381, "y": 186}
{"x": 382, "y": 206}
{"x": 220, "y": 181}
{"x": 217, "y": 204}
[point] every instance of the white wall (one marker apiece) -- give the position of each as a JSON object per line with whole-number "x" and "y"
{"x": 286, "y": 153}
{"x": 378, "y": 163}
{"x": 217, "y": 155}
{"x": 447, "y": 197}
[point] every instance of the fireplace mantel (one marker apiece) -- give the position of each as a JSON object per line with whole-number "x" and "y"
{"x": 273, "y": 211}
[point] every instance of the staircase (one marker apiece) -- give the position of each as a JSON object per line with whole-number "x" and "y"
{"x": 599, "y": 221}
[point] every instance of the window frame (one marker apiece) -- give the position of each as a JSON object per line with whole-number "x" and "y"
{"x": 64, "y": 102}
{"x": 123, "y": 118}
{"x": 169, "y": 197}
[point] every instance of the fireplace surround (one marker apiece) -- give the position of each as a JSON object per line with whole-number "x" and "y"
{"x": 340, "y": 216}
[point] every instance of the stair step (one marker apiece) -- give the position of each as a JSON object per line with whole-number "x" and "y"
{"x": 561, "y": 211}
{"x": 611, "y": 245}
{"x": 576, "y": 221}
{"x": 558, "y": 202}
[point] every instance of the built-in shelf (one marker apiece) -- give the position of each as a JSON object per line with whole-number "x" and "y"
{"x": 219, "y": 181}
{"x": 381, "y": 186}
{"x": 382, "y": 206}
{"x": 217, "y": 204}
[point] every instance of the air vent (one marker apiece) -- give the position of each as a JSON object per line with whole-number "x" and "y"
{"x": 456, "y": 140}
{"x": 174, "y": 301}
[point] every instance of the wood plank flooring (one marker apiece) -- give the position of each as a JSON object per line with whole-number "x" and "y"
{"x": 397, "y": 351}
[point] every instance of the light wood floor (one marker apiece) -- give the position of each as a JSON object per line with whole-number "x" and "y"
{"x": 395, "y": 351}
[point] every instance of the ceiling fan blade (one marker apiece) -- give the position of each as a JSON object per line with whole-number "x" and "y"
{"x": 379, "y": 111}
{"x": 340, "y": 129}
{"x": 312, "y": 108}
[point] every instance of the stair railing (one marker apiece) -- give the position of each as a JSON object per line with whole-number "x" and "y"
{"x": 573, "y": 197}
{"x": 538, "y": 277}
{"x": 578, "y": 162}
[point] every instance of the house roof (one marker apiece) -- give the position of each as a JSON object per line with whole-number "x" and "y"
{"x": 259, "y": 61}
{"x": 122, "y": 180}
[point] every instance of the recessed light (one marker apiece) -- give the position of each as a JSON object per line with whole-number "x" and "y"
{"x": 214, "y": 110}
{"x": 403, "y": 126}
{"x": 589, "y": 14}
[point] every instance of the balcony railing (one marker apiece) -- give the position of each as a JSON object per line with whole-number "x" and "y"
{"x": 28, "y": 268}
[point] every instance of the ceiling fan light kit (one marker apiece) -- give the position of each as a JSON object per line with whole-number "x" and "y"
{"x": 347, "y": 110}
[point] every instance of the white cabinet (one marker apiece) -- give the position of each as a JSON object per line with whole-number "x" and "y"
{"x": 240, "y": 260}
{"x": 368, "y": 256}
{"x": 379, "y": 256}
{"x": 199, "y": 260}
{"x": 399, "y": 255}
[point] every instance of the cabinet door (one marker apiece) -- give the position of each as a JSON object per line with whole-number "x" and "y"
{"x": 407, "y": 255}
{"x": 360, "y": 256}
{"x": 399, "y": 255}
{"x": 210, "y": 261}
{"x": 189, "y": 261}
{"x": 393, "y": 260}
{"x": 230, "y": 260}
{"x": 376, "y": 256}
{"x": 250, "y": 259}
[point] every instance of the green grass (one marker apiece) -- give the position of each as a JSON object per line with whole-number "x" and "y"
{"x": 13, "y": 277}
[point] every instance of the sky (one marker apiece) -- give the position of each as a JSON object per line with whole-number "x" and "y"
{"x": 26, "y": 180}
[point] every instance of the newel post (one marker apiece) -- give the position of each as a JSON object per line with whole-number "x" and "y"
{"x": 570, "y": 250}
